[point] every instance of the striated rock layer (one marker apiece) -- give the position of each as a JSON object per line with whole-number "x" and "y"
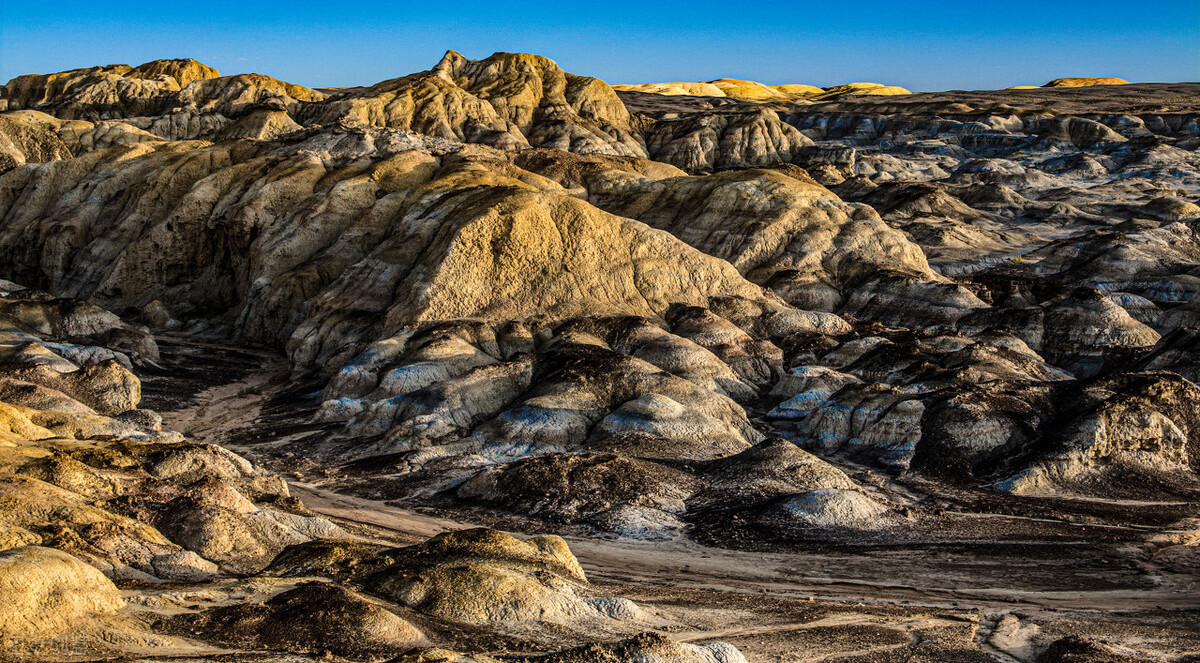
{"x": 961, "y": 324}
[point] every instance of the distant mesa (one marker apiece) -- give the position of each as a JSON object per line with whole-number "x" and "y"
{"x": 1085, "y": 82}
{"x": 753, "y": 91}
{"x": 857, "y": 89}
{"x": 1072, "y": 82}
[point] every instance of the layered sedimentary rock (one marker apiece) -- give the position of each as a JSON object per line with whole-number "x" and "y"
{"x": 87, "y": 472}
{"x": 512, "y": 295}
{"x": 990, "y": 408}
{"x": 96, "y": 497}
{"x": 507, "y": 100}
{"x": 375, "y": 223}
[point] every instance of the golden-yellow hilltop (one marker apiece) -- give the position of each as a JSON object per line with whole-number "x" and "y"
{"x": 1073, "y": 82}
{"x": 753, "y": 91}
{"x": 734, "y": 88}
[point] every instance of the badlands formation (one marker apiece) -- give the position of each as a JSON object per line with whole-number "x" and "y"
{"x": 497, "y": 362}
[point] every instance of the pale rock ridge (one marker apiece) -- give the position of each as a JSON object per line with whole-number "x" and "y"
{"x": 777, "y": 227}
{"x": 728, "y": 140}
{"x": 412, "y": 236}
{"x": 507, "y": 100}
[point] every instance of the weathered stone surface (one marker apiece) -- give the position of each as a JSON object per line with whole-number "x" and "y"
{"x": 44, "y": 592}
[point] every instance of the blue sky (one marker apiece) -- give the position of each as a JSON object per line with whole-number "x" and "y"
{"x": 919, "y": 45}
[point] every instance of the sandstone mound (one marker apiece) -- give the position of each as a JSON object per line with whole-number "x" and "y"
{"x": 1134, "y": 426}
{"x": 860, "y": 89}
{"x": 728, "y": 140}
{"x": 793, "y": 235}
{"x": 833, "y": 508}
{"x": 991, "y": 409}
{"x": 647, "y": 647}
{"x": 1078, "y": 649}
{"x": 1155, "y": 262}
{"x": 746, "y": 90}
{"x": 767, "y": 471}
{"x": 30, "y": 137}
{"x": 672, "y": 89}
{"x": 507, "y": 100}
{"x": 477, "y": 576}
{"x": 1087, "y": 326}
{"x": 776, "y": 489}
{"x": 184, "y": 70}
{"x": 44, "y": 592}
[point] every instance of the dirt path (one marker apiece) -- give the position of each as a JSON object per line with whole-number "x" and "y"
{"x": 912, "y": 577}
{"x": 243, "y": 381}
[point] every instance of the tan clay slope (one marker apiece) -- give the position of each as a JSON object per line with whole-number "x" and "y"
{"x": 508, "y": 252}
{"x": 777, "y": 227}
{"x": 401, "y": 237}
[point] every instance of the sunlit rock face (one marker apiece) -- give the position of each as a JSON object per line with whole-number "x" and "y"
{"x": 484, "y": 264}
{"x": 721, "y": 313}
{"x": 508, "y": 100}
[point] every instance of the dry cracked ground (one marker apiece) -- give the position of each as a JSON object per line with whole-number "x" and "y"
{"x": 493, "y": 362}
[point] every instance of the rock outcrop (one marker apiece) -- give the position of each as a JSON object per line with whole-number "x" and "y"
{"x": 1084, "y": 82}
{"x": 44, "y": 592}
{"x": 758, "y": 92}
{"x": 750, "y": 317}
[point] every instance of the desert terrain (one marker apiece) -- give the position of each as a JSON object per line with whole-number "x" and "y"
{"x": 497, "y": 362}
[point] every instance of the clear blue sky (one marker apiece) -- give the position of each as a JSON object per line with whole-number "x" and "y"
{"x": 921, "y": 45}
